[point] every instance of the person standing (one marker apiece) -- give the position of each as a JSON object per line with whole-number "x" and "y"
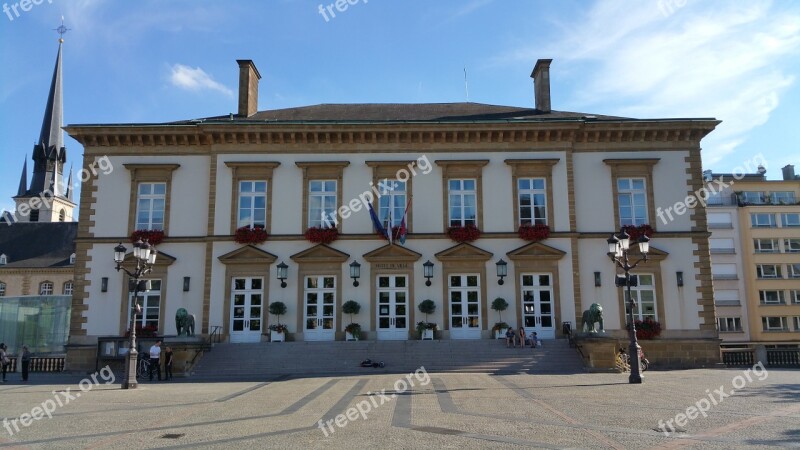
{"x": 168, "y": 364}
{"x": 4, "y": 361}
{"x": 26, "y": 363}
{"x": 522, "y": 337}
{"x": 155, "y": 360}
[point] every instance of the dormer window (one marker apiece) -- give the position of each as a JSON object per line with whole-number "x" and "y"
{"x": 3, "y": 259}
{"x": 72, "y": 258}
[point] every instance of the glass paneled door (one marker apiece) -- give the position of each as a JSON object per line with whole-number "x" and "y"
{"x": 537, "y": 305}
{"x": 320, "y": 308}
{"x": 246, "y": 309}
{"x": 465, "y": 306}
{"x": 392, "y": 307}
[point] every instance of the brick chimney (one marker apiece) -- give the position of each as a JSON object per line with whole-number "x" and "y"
{"x": 248, "y": 87}
{"x": 541, "y": 84}
{"x": 788, "y": 172}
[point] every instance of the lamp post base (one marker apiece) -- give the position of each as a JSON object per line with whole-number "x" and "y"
{"x": 635, "y": 363}
{"x": 129, "y": 382}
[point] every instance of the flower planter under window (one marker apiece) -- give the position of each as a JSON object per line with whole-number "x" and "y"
{"x": 636, "y": 232}
{"x": 153, "y": 237}
{"x": 320, "y": 235}
{"x": 534, "y": 233}
{"x": 250, "y": 235}
{"x": 467, "y": 233}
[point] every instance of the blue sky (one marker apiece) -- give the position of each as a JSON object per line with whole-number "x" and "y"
{"x": 154, "y": 61}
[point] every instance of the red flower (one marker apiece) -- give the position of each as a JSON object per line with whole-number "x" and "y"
{"x": 153, "y": 237}
{"x": 534, "y": 233}
{"x": 319, "y": 235}
{"x": 647, "y": 329}
{"x": 466, "y": 233}
{"x": 636, "y": 232}
{"x": 250, "y": 235}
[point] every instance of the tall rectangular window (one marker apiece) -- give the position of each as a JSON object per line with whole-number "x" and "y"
{"x": 392, "y": 203}
{"x": 150, "y": 203}
{"x": 253, "y": 204}
{"x": 532, "y": 201}
{"x": 463, "y": 199}
{"x": 69, "y": 288}
{"x": 791, "y": 220}
{"x": 766, "y": 245}
{"x": 632, "y": 198}
{"x": 150, "y": 302}
{"x": 794, "y": 270}
{"x": 795, "y": 295}
{"x": 774, "y": 323}
{"x": 322, "y": 203}
{"x": 762, "y": 220}
{"x": 644, "y": 295}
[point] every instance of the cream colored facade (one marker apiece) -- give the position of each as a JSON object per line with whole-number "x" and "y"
{"x": 580, "y": 159}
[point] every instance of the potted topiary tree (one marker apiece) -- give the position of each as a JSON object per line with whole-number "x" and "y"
{"x": 277, "y": 331}
{"x": 353, "y": 330}
{"x": 499, "y": 304}
{"x": 426, "y": 329}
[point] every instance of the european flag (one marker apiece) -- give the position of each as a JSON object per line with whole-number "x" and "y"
{"x": 376, "y": 222}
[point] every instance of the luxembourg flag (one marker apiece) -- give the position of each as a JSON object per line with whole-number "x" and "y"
{"x": 376, "y": 222}
{"x": 401, "y": 234}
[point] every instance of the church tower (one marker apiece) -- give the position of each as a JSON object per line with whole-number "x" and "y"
{"x": 48, "y": 198}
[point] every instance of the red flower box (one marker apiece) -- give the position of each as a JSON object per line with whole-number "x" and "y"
{"x": 395, "y": 233}
{"x": 466, "y": 233}
{"x": 250, "y": 235}
{"x": 647, "y": 329}
{"x": 637, "y": 232}
{"x": 152, "y": 237}
{"x": 320, "y": 235}
{"x": 146, "y": 331}
{"x": 534, "y": 233}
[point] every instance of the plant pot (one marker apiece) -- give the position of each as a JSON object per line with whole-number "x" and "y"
{"x": 427, "y": 335}
{"x": 498, "y": 334}
{"x": 274, "y": 336}
{"x": 349, "y": 337}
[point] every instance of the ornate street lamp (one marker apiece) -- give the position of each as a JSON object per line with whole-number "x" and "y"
{"x": 618, "y": 249}
{"x": 283, "y": 269}
{"x": 145, "y": 256}
{"x": 502, "y": 271}
{"x": 355, "y": 272}
{"x": 428, "y": 272}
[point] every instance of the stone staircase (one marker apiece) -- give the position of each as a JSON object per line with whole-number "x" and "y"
{"x": 257, "y": 361}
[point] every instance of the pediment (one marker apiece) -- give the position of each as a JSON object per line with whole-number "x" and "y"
{"x": 654, "y": 254}
{"x": 320, "y": 254}
{"x": 535, "y": 250}
{"x": 162, "y": 259}
{"x": 248, "y": 255}
{"x": 392, "y": 253}
{"x": 464, "y": 252}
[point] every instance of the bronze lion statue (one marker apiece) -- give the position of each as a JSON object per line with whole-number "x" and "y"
{"x": 591, "y": 317}
{"x": 184, "y": 322}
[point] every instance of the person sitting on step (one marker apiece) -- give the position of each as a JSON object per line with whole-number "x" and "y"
{"x": 534, "y": 339}
{"x": 511, "y": 337}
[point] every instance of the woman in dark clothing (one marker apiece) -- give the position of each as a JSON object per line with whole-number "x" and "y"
{"x": 4, "y": 361}
{"x": 26, "y": 363}
{"x": 168, "y": 363}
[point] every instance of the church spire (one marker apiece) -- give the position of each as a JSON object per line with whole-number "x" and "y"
{"x": 23, "y": 179}
{"x": 50, "y": 151}
{"x": 69, "y": 185}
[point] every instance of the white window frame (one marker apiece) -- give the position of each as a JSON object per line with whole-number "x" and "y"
{"x": 249, "y": 190}
{"x": 791, "y": 245}
{"x": 760, "y": 248}
{"x": 756, "y": 222}
{"x": 795, "y": 295}
{"x": 534, "y": 195}
{"x": 794, "y": 218}
{"x": 719, "y": 274}
{"x": 3, "y": 259}
{"x": 787, "y": 197}
{"x": 46, "y": 288}
{"x": 730, "y": 324}
{"x": 768, "y": 271}
{"x": 767, "y": 327}
{"x": 796, "y": 320}
{"x": 150, "y": 200}
{"x": 322, "y": 198}
{"x": 793, "y": 270}
{"x": 145, "y": 298}
{"x": 633, "y": 198}
{"x": 72, "y": 258}
{"x": 728, "y": 299}
{"x": 462, "y": 193}
{"x": 753, "y": 197}
{"x": 763, "y": 297}
{"x": 68, "y": 288}
{"x": 636, "y": 294}
{"x": 722, "y": 245}
{"x": 398, "y": 195}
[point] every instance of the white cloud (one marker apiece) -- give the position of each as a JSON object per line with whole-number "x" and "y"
{"x": 704, "y": 59}
{"x": 196, "y": 79}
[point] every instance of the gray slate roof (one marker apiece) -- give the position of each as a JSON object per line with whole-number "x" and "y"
{"x": 38, "y": 245}
{"x": 413, "y": 112}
